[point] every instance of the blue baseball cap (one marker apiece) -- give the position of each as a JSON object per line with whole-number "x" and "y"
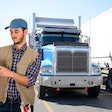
{"x": 17, "y": 23}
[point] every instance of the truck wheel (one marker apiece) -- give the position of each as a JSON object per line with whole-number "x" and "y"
{"x": 41, "y": 92}
{"x": 93, "y": 91}
{"x": 109, "y": 81}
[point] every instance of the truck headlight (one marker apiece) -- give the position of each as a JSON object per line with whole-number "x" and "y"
{"x": 46, "y": 70}
{"x": 96, "y": 70}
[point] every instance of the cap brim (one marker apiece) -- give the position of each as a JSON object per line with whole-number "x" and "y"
{"x": 6, "y": 27}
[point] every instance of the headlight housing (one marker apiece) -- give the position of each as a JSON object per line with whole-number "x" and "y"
{"x": 46, "y": 70}
{"x": 46, "y": 67}
{"x": 95, "y": 69}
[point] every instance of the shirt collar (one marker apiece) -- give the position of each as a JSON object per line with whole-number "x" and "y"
{"x": 23, "y": 48}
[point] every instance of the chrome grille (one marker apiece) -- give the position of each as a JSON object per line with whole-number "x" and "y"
{"x": 68, "y": 61}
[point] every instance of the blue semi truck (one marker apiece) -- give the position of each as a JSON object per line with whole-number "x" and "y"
{"x": 65, "y": 55}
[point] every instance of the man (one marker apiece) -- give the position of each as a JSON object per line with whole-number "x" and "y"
{"x": 19, "y": 67}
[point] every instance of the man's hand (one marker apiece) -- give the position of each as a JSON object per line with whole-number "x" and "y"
{"x": 21, "y": 79}
{"x": 4, "y": 72}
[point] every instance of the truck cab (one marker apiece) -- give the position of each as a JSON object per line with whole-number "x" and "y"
{"x": 66, "y": 57}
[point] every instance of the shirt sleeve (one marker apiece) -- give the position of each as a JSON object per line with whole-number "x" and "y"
{"x": 33, "y": 71}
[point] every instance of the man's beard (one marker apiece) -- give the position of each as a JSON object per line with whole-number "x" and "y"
{"x": 19, "y": 41}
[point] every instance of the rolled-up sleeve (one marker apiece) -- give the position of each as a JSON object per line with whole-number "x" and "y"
{"x": 33, "y": 71}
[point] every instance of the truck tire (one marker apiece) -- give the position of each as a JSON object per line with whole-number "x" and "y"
{"x": 93, "y": 91}
{"x": 41, "y": 92}
{"x": 109, "y": 81}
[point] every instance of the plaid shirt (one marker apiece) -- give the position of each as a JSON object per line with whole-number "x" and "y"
{"x": 31, "y": 73}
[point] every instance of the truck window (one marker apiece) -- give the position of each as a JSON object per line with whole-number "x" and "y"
{"x": 51, "y": 38}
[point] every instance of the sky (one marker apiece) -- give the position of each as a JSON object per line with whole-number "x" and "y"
{"x": 66, "y": 9}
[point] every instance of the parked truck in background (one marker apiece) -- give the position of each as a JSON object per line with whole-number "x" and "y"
{"x": 66, "y": 57}
{"x": 106, "y": 70}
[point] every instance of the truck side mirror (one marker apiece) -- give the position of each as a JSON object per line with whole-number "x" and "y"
{"x": 36, "y": 38}
{"x": 40, "y": 51}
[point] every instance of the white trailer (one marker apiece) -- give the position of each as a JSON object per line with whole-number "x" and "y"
{"x": 99, "y": 29}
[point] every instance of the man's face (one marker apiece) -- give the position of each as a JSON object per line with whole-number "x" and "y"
{"x": 18, "y": 35}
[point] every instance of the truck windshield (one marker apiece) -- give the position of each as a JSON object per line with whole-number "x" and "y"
{"x": 51, "y": 38}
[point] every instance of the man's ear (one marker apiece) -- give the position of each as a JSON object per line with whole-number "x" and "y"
{"x": 26, "y": 31}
